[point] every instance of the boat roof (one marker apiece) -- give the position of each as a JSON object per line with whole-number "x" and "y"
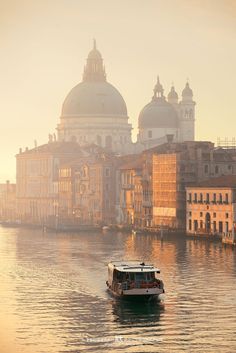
{"x": 132, "y": 266}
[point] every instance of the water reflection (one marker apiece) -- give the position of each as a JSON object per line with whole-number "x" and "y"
{"x": 54, "y": 297}
{"x": 136, "y": 313}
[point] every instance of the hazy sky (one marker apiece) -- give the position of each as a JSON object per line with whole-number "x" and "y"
{"x": 44, "y": 45}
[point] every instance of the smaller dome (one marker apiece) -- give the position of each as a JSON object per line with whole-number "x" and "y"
{"x": 158, "y": 114}
{"x": 187, "y": 92}
{"x": 172, "y": 94}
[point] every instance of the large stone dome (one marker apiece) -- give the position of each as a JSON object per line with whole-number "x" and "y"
{"x": 94, "y": 112}
{"x": 94, "y": 98}
{"x": 158, "y": 114}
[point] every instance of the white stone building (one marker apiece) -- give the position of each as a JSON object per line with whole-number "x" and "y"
{"x": 162, "y": 120}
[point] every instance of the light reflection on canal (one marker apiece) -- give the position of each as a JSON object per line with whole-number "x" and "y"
{"x": 53, "y": 296}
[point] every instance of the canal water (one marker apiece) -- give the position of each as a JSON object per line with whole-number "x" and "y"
{"x": 53, "y": 295}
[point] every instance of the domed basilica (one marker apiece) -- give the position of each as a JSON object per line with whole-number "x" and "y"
{"x": 95, "y": 112}
{"x": 162, "y": 120}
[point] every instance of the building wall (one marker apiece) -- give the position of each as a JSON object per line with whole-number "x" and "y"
{"x": 87, "y": 191}
{"x": 37, "y": 181}
{"x": 8, "y": 202}
{"x": 210, "y": 210}
{"x": 35, "y": 187}
{"x": 165, "y": 190}
{"x": 108, "y": 132}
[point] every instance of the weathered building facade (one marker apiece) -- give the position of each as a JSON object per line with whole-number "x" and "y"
{"x": 211, "y": 207}
{"x": 87, "y": 190}
{"x": 8, "y": 201}
{"x": 164, "y": 172}
{"x": 37, "y": 180}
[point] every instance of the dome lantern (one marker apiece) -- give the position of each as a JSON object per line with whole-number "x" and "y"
{"x": 94, "y": 69}
{"x": 158, "y": 89}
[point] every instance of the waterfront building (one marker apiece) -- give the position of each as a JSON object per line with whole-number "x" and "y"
{"x": 87, "y": 190}
{"x": 95, "y": 112}
{"x": 131, "y": 192}
{"x": 162, "y": 118}
{"x": 8, "y": 201}
{"x": 175, "y": 166}
{"x": 152, "y": 188}
{"x": 211, "y": 206}
{"x": 168, "y": 169}
{"x": 37, "y": 180}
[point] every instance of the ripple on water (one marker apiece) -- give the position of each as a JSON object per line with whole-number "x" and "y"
{"x": 53, "y": 290}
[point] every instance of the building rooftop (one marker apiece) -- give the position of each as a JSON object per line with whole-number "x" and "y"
{"x": 136, "y": 163}
{"x": 55, "y": 147}
{"x": 222, "y": 181}
{"x": 175, "y": 147}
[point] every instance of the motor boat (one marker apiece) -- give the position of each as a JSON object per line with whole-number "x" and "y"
{"x": 134, "y": 280}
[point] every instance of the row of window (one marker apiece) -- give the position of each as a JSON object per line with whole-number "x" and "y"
{"x": 214, "y": 214}
{"x": 216, "y": 198}
{"x": 199, "y": 225}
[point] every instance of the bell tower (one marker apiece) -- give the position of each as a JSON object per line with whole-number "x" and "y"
{"x": 187, "y": 115}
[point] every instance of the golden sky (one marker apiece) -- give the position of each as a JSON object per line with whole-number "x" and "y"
{"x": 44, "y": 45}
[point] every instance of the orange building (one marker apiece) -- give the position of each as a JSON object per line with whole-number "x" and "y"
{"x": 211, "y": 207}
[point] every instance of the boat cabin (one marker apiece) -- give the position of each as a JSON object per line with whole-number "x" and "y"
{"x": 133, "y": 275}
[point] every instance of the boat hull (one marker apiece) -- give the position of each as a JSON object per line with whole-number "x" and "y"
{"x": 139, "y": 294}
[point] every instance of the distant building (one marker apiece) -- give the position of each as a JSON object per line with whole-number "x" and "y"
{"x": 37, "y": 180}
{"x": 211, "y": 206}
{"x": 8, "y": 201}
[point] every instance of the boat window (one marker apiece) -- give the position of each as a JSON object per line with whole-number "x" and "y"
{"x": 140, "y": 276}
{"x": 131, "y": 276}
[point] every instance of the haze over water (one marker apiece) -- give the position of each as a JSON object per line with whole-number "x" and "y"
{"x": 54, "y": 299}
